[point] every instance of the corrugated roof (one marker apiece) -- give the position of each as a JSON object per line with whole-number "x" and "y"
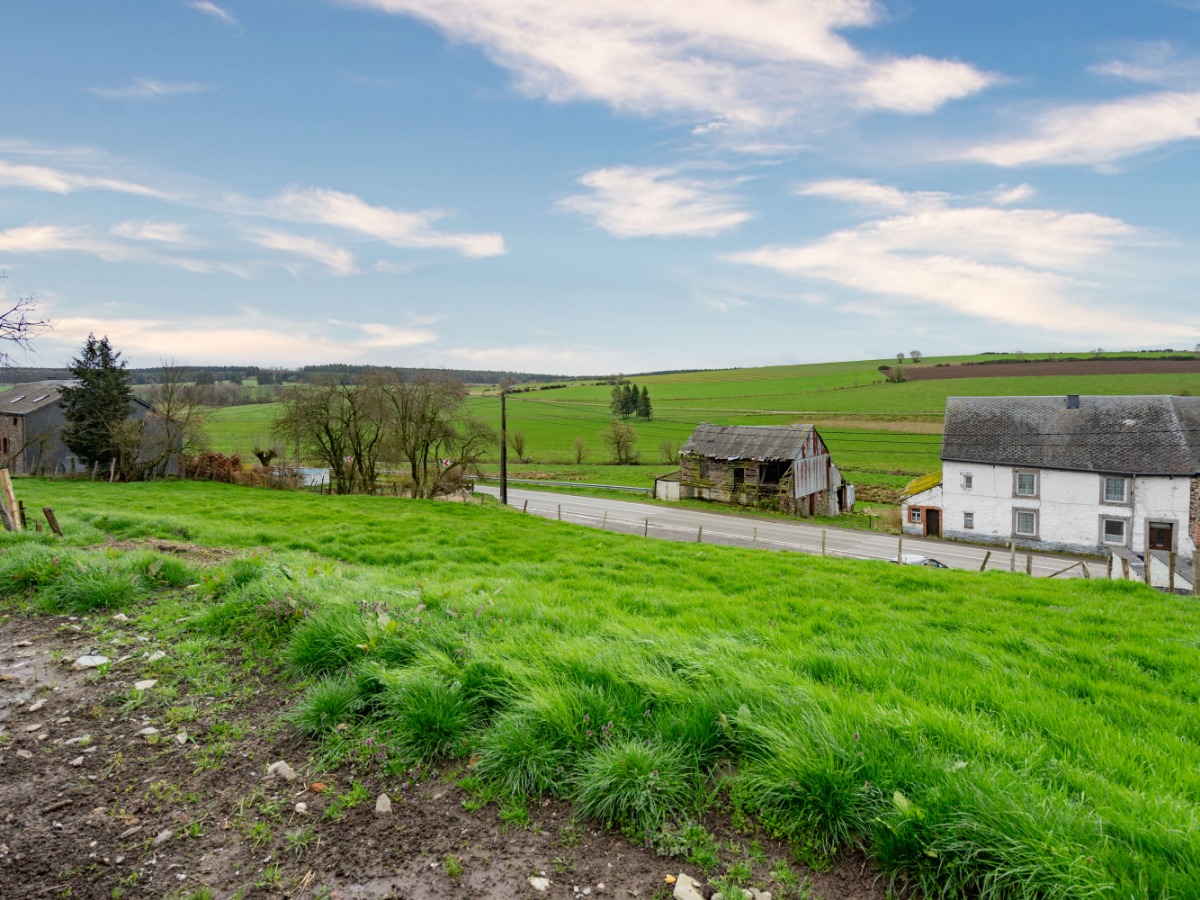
{"x": 22, "y": 399}
{"x": 755, "y": 442}
{"x": 1147, "y": 435}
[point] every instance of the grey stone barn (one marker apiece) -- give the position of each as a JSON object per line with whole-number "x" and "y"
{"x": 788, "y": 465}
{"x": 31, "y": 423}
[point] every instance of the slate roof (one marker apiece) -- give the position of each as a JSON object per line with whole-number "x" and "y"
{"x": 30, "y": 396}
{"x": 1147, "y": 435}
{"x": 755, "y": 442}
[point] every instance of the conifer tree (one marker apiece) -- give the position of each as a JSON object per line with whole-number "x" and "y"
{"x": 643, "y": 403}
{"x": 98, "y": 402}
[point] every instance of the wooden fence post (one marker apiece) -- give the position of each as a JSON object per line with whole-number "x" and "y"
{"x": 1028, "y": 563}
{"x": 900, "y": 551}
{"x": 700, "y": 535}
{"x": 1110, "y": 566}
{"x": 1146, "y": 558}
{"x": 21, "y": 510}
{"x": 6, "y": 518}
{"x": 1012, "y": 559}
{"x": 52, "y": 520}
{"x": 10, "y": 499}
{"x": 822, "y": 541}
{"x": 1196, "y": 572}
{"x": 112, "y": 470}
{"x": 646, "y": 529}
{"x": 1171, "y": 559}
{"x": 986, "y": 557}
{"x": 1124, "y": 569}
{"x": 755, "y": 537}
{"x": 525, "y": 507}
{"x": 604, "y": 521}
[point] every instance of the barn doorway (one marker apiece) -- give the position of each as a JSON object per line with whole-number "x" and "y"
{"x": 933, "y": 523}
{"x": 1161, "y": 536}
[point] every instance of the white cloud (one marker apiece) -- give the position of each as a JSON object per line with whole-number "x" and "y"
{"x": 157, "y": 232}
{"x": 250, "y": 336}
{"x": 745, "y": 63}
{"x": 150, "y": 89}
{"x": 217, "y": 12}
{"x": 1152, "y": 62}
{"x": 1099, "y": 133}
{"x": 60, "y": 181}
{"x": 1007, "y": 196}
{"x": 871, "y": 194}
{"x": 629, "y": 201}
{"x": 338, "y": 260}
{"x": 393, "y": 226}
{"x": 919, "y": 84}
{"x": 1020, "y": 267}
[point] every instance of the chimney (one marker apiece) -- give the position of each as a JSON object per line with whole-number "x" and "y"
{"x": 1072, "y": 401}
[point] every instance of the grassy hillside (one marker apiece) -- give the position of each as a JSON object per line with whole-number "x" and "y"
{"x": 871, "y": 426}
{"x": 978, "y": 734}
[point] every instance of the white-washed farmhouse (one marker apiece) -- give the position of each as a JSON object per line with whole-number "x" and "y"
{"x": 752, "y": 464}
{"x": 1080, "y": 474}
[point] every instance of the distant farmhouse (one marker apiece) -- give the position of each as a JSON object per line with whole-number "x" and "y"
{"x": 31, "y": 423}
{"x": 785, "y": 464}
{"x": 1078, "y": 474}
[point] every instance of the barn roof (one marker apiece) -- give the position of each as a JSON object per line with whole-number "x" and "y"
{"x": 755, "y": 442}
{"x": 1147, "y": 435}
{"x": 30, "y": 396}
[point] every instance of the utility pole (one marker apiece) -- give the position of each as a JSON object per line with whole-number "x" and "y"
{"x": 503, "y": 444}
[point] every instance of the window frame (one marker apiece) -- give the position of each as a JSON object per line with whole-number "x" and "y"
{"x": 1125, "y": 529}
{"x": 1034, "y": 534}
{"x": 915, "y": 515}
{"x": 968, "y": 521}
{"x": 968, "y": 481}
{"x": 1018, "y": 474}
{"x": 1127, "y": 492}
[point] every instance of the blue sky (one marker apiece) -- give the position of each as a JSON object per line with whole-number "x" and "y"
{"x": 591, "y": 187}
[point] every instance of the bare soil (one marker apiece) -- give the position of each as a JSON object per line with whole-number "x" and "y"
{"x": 1052, "y": 367}
{"x": 91, "y": 809}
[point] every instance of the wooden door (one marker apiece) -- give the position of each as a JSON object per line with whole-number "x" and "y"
{"x": 1160, "y": 536}
{"x": 933, "y": 523}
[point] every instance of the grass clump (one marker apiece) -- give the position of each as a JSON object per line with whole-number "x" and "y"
{"x": 89, "y": 587}
{"x": 32, "y": 566}
{"x": 429, "y": 717}
{"x": 520, "y": 759}
{"x": 634, "y": 783}
{"x": 330, "y": 702}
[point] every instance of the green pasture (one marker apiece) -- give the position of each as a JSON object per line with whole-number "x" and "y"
{"x": 977, "y": 734}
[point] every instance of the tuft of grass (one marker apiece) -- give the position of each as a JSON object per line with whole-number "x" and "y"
{"x": 86, "y": 588}
{"x": 329, "y": 640}
{"x": 634, "y": 783}
{"x": 429, "y": 717}
{"x": 32, "y": 566}
{"x": 332, "y": 701}
{"x": 453, "y": 866}
{"x": 520, "y": 760}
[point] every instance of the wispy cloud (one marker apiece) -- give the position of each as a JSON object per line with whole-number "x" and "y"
{"x": 217, "y": 12}
{"x": 752, "y": 65}
{"x": 150, "y": 89}
{"x": 1152, "y": 62}
{"x": 62, "y": 181}
{"x": 629, "y": 201}
{"x": 36, "y": 239}
{"x": 1020, "y": 267}
{"x": 396, "y": 227}
{"x": 338, "y": 260}
{"x": 1098, "y": 134}
{"x": 158, "y": 232}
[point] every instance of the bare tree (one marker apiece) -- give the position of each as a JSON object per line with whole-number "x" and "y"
{"x": 899, "y": 358}
{"x": 439, "y": 444}
{"x": 581, "y": 450}
{"x": 620, "y": 438}
{"x": 516, "y": 440}
{"x": 669, "y": 450}
{"x": 20, "y": 323}
{"x": 915, "y": 354}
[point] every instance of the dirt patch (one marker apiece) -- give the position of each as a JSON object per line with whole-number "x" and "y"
{"x": 1053, "y": 367}
{"x": 93, "y": 806}
{"x": 191, "y": 552}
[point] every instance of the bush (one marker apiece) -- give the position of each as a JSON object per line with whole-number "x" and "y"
{"x": 634, "y": 783}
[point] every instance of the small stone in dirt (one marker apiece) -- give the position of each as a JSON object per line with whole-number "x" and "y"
{"x": 120, "y": 617}
{"x": 162, "y": 838}
{"x": 77, "y": 740}
{"x": 181, "y": 738}
{"x": 65, "y": 720}
{"x": 687, "y": 888}
{"x": 301, "y": 808}
{"x": 281, "y": 770}
{"x": 90, "y": 662}
{"x": 383, "y": 806}
{"x": 36, "y": 705}
{"x": 35, "y": 727}
{"x": 129, "y": 832}
{"x": 148, "y": 731}
{"x": 24, "y": 754}
{"x": 539, "y": 883}
{"x": 146, "y": 684}
{"x": 156, "y": 656}
{"x": 77, "y": 761}
{"x": 23, "y": 644}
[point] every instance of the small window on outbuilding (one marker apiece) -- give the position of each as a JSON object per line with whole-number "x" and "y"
{"x": 914, "y": 515}
{"x": 1025, "y": 523}
{"x": 1114, "y": 531}
{"x": 968, "y": 520}
{"x": 968, "y": 480}
{"x": 1115, "y": 490}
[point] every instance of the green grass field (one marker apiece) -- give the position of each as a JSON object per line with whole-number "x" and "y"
{"x": 872, "y": 427}
{"x": 977, "y": 734}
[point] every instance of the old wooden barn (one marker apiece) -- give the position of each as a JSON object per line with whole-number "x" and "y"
{"x": 788, "y": 465}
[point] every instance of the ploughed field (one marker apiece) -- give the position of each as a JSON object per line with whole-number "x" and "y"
{"x": 973, "y": 734}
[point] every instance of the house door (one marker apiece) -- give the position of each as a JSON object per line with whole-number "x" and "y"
{"x": 1160, "y": 536}
{"x": 933, "y": 523}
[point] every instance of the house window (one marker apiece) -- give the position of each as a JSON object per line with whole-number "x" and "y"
{"x": 1025, "y": 484}
{"x": 914, "y": 516}
{"x": 1025, "y": 523}
{"x": 1114, "y": 531}
{"x": 968, "y": 520}
{"x": 967, "y": 480}
{"x": 1116, "y": 490}
{"x": 4, "y": 445}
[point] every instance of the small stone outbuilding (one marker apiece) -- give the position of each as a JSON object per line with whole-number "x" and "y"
{"x": 787, "y": 465}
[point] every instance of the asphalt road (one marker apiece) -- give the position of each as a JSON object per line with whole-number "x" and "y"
{"x": 673, "y": 523}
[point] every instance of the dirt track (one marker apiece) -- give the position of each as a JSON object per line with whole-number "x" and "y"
{"x": 1053, "y": 367}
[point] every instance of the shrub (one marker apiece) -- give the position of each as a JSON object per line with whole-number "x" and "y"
{"x": 634, "y": 783}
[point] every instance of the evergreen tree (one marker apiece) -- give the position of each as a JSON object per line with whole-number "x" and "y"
{"x": 629, "y": 397}
{"x": 618, "y": 400}
{"x": 98, "y": 402}
{"x": 643, "y": 403}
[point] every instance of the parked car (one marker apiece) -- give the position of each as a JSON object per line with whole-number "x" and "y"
{"x": 916, "y": 559}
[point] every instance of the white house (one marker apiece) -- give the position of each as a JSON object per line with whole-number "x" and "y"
{"x": 1079, "y": 474}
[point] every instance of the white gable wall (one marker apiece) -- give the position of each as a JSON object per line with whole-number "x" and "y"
{"x": 1068, "y": 505}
